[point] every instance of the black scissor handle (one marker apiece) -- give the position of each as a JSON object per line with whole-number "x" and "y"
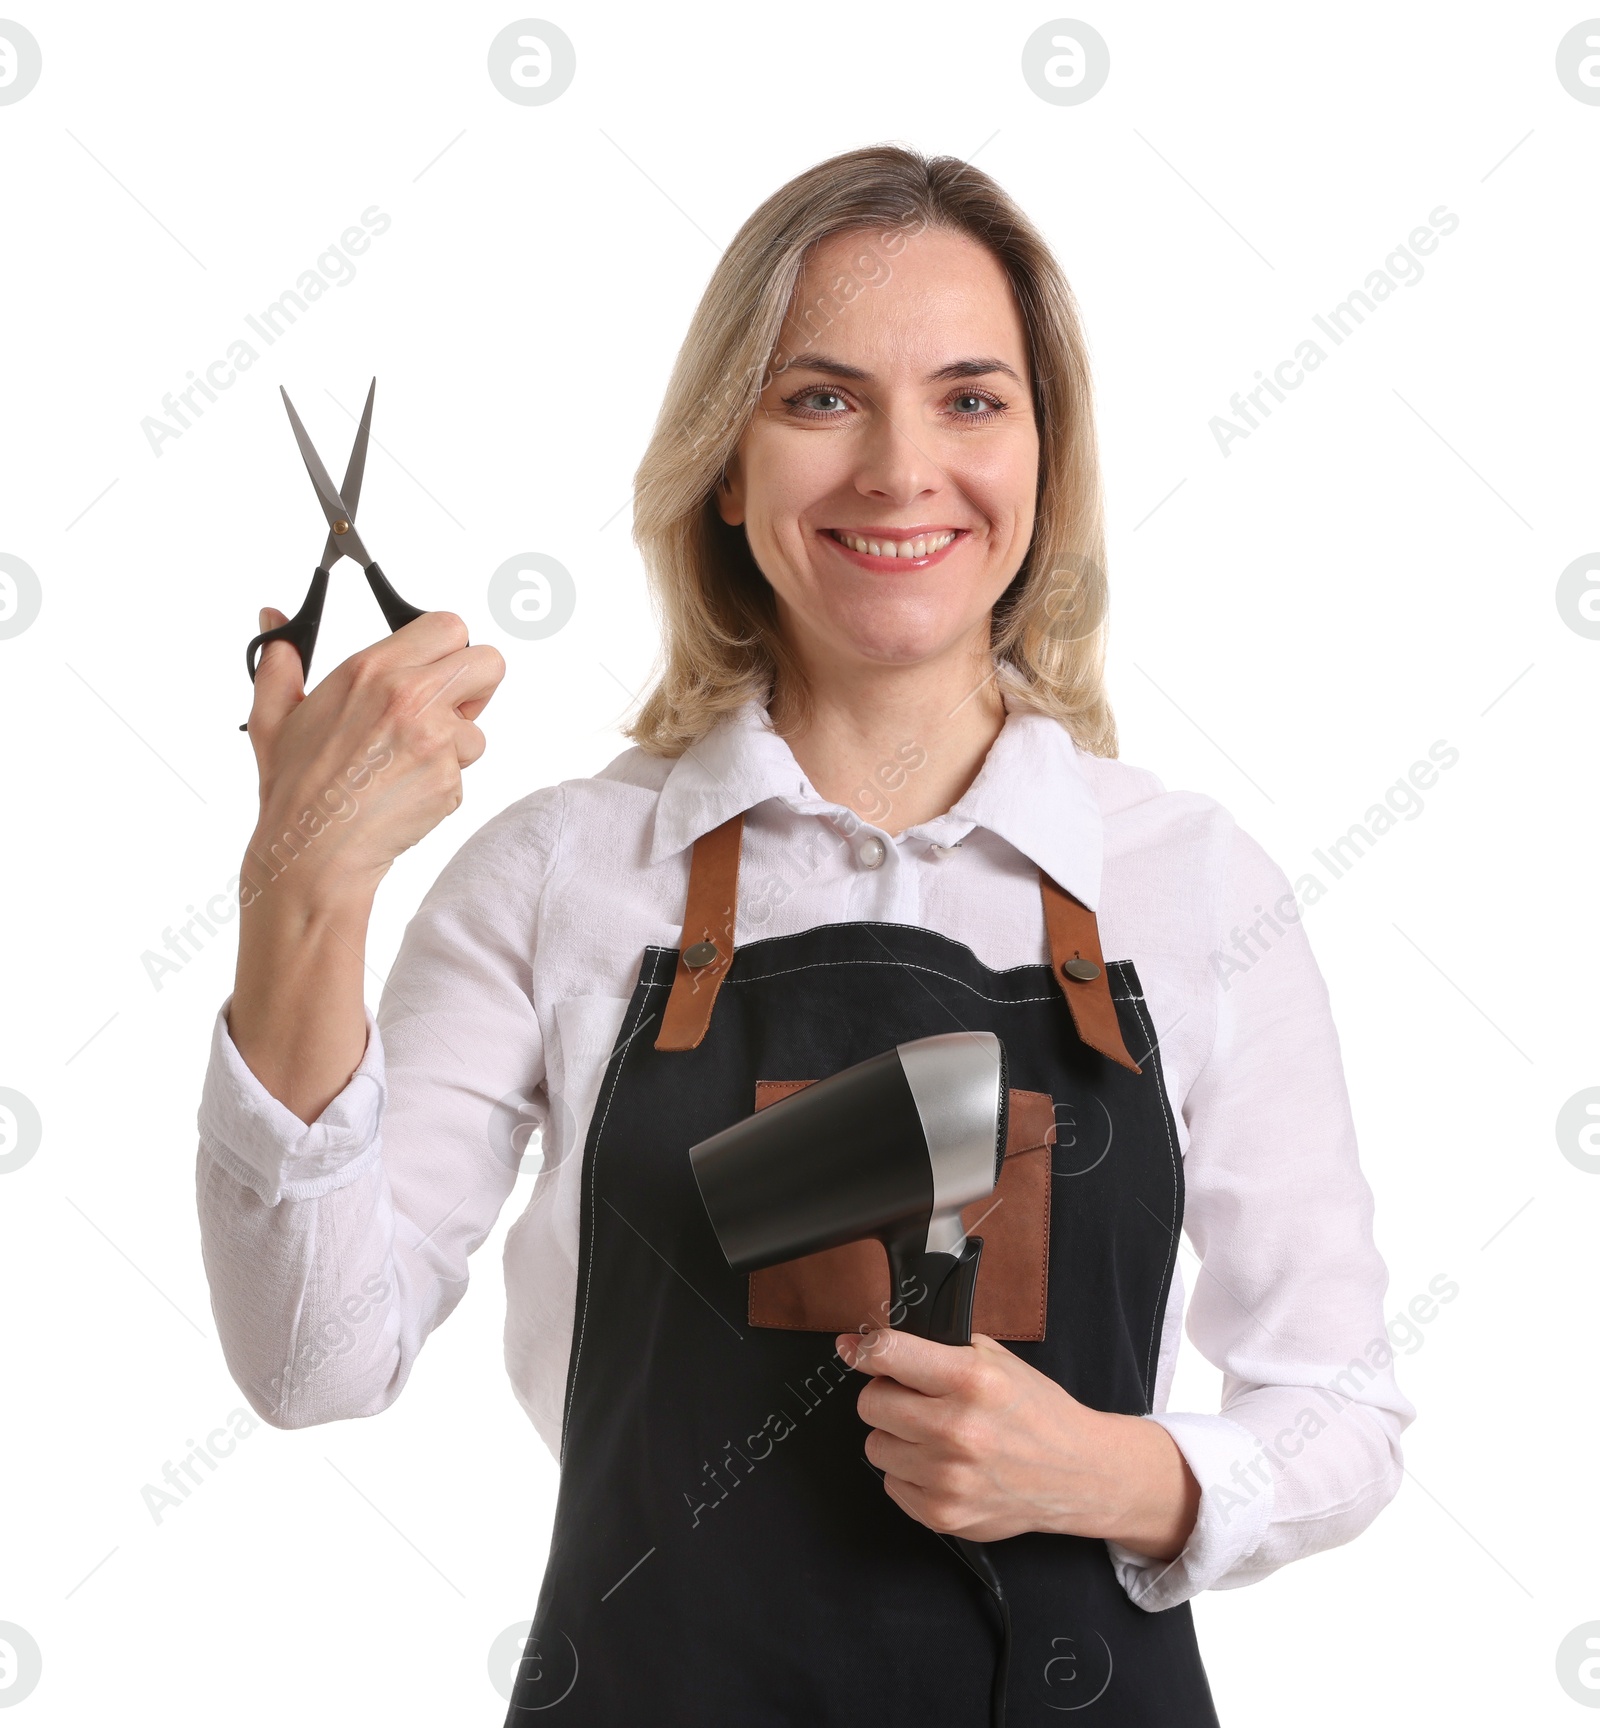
{"x": 396, "y": 612}
{"x": 302, "y": 628}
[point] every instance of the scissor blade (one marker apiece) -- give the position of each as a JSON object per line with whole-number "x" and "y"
{"x": 347, "y": 542}
{"x": 350, "y": 491}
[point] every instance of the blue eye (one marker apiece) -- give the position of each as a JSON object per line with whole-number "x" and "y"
{"x": 811, "y": 395}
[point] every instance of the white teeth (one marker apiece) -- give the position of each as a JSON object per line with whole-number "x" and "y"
{"x": 921, "y": 547}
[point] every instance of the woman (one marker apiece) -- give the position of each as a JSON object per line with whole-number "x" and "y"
{"x": 874, "y": 796}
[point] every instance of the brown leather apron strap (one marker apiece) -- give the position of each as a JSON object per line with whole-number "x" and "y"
{"x": 1080, "y": 969}
{"x": 706, "y": 951}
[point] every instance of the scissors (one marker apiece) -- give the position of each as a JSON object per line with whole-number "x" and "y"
{"x": 343, "y": 542}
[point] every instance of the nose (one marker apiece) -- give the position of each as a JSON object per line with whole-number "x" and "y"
{"x": 894, "y": 463}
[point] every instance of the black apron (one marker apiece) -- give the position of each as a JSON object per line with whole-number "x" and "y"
{"x": 723, "y": 1554}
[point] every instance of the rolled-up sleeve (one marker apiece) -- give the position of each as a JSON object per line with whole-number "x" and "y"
{"x": 332, "y": 1249}
{"x": 1288, "y": 1302}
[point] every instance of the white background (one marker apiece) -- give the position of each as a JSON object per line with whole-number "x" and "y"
{"x": 1293, "y": 624}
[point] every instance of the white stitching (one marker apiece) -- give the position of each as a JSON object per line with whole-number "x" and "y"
{"x": 594, "y": 1159}
{"x": 1149, "y": 1032}
{"x": 905, "y": 965}
{"x": 890, "y": 924}
{"x": 996, "y": 971}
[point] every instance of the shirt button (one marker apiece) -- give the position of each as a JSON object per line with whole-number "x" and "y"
{"x": 871, "y": 852}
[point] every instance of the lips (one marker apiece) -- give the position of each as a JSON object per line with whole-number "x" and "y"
{"x": 912, "y": 548}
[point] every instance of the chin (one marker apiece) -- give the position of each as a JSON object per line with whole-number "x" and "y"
{"x": 898, "y": 646}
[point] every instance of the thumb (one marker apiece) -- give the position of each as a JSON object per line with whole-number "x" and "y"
{"x": 280, "y": 680}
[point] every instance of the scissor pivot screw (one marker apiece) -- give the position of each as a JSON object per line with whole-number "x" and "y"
{"x": 341, "y": 526}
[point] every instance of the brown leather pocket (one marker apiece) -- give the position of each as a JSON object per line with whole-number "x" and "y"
{"x": 845, "y": 1289}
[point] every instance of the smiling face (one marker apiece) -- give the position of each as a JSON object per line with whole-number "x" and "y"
{"x": 887, "y": 481}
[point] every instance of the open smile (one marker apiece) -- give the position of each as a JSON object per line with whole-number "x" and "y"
{"x": 894, "y": 548}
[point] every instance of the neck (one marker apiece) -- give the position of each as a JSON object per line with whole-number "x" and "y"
{"x": 896, "y": 744}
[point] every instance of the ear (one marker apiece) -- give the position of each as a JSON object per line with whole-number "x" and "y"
{"x": 730, "y": 493}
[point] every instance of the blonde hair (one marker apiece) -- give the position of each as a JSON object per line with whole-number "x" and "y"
{"x": 722, "y": 640}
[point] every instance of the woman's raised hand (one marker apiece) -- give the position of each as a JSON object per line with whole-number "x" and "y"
{"x": 351, "y": 775}
{"x": 360, "y": 769}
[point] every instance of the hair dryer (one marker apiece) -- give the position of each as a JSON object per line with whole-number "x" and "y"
{"x": 893, "y": 1147}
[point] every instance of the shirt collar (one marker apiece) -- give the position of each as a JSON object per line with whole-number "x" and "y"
{"x": 740, "y": 762}
{"x": 1031, "y": 791}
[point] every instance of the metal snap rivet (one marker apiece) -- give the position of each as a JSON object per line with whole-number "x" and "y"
{"x": 1082, "y": 970}
{"x": 701, "y": 954}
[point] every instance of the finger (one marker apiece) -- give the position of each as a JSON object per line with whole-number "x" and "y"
{"x": 911, "y": 1499}
{"x": 916, "y": 1362}
{"x": 470, "y": 744}
{"x": 425, "y": 639}
{"x": 279, "y": 681}
{"x": 910, "y": 1415}
{"x": 901, "y": 1458}
{"x": 465, "y": 677}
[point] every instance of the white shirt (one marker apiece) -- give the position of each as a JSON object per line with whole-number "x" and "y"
{"x": 508, "y": 994}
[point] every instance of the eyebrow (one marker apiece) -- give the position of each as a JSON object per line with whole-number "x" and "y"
{"x": 974, "y": 368}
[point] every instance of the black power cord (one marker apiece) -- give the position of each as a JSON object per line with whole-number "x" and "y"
{"x": 976, "y": 1555}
